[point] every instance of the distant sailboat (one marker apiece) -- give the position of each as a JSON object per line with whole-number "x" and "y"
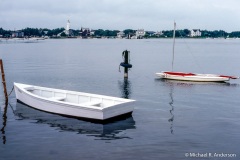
{"x": 191, "y": 76}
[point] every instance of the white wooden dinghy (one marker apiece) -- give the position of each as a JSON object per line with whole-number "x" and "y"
{"x": 71, "y": 103}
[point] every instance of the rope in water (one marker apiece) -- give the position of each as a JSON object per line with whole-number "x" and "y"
{"x": 11, "y": 91}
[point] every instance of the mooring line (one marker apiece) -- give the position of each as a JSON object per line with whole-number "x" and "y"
{"x": 11, "y": 91}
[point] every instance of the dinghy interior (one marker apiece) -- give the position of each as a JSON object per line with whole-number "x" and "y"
{"x": 73, "y": 104}
{"x": 84, "y": 99}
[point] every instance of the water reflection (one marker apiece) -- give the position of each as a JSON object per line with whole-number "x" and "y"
{"x": 109, "y": 131}
{"x": 19, "y": 40}
{"x": 171, "y": 84}
{"x": 125, "y": 88}
{"x": 4, "y": 117}
{"x": 171, "y": 119}
{"x": 192, "y": 83}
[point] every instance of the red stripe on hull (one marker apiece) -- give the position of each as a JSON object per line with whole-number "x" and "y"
{"x": 232, "y": 77}
{"x": 180, "y": 73}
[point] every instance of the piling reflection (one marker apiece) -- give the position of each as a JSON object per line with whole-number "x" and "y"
{"x": 125, "y": 88}
{"x": 109, "y": 131}
{"x": 4, "y": 117}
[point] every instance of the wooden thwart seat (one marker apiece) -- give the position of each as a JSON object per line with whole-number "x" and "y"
{"x": 91, "y": 103}
{"x": 57, "y": 98}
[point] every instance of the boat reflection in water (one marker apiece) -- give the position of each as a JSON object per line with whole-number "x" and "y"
{"x": 108, "y": 131}
{"x": 192, "y": 83}
{"x": 176, "y": 84}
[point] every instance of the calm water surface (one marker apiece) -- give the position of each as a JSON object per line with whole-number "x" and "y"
{"x": 170, "y": 118}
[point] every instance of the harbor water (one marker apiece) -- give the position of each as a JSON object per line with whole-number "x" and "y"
{"x": 171, "y": 119}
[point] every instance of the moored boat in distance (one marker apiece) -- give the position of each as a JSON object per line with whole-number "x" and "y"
{"x": 74, "y": 104}
{"x": 194, "y": 77}
{"x": 184, "y": 76}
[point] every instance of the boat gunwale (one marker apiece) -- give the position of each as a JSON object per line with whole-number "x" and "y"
{"x": 62, "y": 103}
{"x": 68, "y": 104}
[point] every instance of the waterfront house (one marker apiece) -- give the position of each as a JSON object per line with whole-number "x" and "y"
{"x": 85, "y": 32}
{"x": 140, "y": 33}
{"x": 195, "y": 33}
{"x": 158, "y": 33}
{"x": 92, "y": 32}
{"x": 120, "y": 34}
{"x": 17, "y": 34}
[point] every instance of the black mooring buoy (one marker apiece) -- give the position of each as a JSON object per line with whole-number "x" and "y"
{"x": 126, "y": 64}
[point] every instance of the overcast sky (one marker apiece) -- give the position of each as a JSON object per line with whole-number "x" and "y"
{"x": 151, "y": 15}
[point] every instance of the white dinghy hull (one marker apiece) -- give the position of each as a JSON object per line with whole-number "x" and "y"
{"x": 71, "y": 103}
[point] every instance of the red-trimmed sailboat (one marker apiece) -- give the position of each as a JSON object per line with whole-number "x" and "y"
{"x": 195, "y": 77}
{"x": 183, "y": 76}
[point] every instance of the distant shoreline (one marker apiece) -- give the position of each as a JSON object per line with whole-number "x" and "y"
{"x": 86, "y": 33}
{"x": 64, "y": 38}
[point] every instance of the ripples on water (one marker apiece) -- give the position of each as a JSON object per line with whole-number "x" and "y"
{"x": 170, "y": 118}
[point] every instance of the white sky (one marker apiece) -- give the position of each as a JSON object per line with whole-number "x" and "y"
{"x": 151, "y": 15}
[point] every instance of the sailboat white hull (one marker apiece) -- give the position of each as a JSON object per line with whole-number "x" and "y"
{"x": 183, "y": 76}
{"x": 193, "y": 77}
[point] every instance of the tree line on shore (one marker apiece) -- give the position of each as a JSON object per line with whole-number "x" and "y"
{"x": 185, "y": 33}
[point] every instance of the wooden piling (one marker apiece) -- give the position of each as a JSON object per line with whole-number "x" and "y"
{"x": 3, "y": 80}
{"x": 126, "y": 65}
{"x": 126, "y": 62}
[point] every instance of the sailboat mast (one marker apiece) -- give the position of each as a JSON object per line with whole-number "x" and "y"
{"x": 173, "y": 43}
